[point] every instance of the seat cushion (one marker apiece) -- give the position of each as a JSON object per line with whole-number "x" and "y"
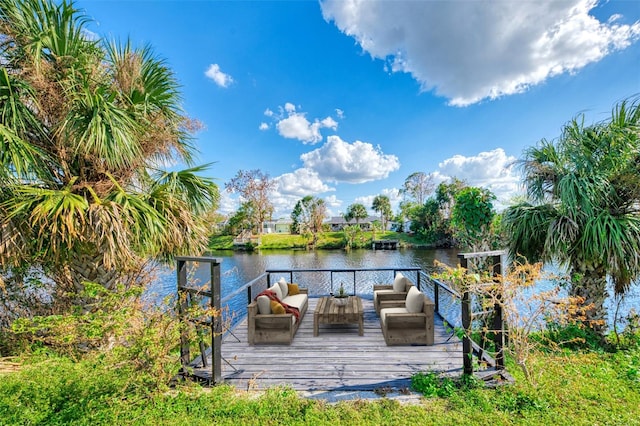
{"x": 264, "y": 305}
{"x": 399, "y": 283}
{"x": 384, "y": 312}
{"x": 377, "y": 292}
{"x": 296, "y": 300}
{"x": 414, "y": 301}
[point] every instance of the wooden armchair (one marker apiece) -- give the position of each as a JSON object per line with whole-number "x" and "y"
{"x": 409, "y": 325}
{"x": 392, "y": 295}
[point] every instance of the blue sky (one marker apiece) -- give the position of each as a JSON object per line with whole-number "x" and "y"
{"x": 343, "y": 99}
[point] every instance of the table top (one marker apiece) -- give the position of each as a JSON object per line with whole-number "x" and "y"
{"x": 330, "y": 311}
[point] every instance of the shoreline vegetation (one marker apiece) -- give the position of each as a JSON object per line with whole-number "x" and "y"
{"x": 326, "y": 241}
{"x": 573, "y": 387}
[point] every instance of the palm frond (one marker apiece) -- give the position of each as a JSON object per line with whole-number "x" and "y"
{"x": 528, "y": 227}
{"x": 199, "y": 193}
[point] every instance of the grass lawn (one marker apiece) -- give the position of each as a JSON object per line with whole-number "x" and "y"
{"x": 326, "y": 240}
{"x": 573, "y": 388}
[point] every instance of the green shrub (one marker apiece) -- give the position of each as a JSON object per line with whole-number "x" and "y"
{"x": 571, "y": 336}
{"x": 430, "y": 384}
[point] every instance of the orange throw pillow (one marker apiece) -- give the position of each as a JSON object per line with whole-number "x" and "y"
{"x": 293, "y": 289}
{"x": 277, "y": 308}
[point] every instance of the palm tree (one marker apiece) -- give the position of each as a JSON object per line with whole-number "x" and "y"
{"x": 357, "y": 212}
{"x": 382, "y": 205}
{"x": 85, "y": 126}
{"x": 585, "y": 193}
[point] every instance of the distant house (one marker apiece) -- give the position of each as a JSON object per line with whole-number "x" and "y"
{"x": 279, "y": 226}
{"x": 338, "y": 223}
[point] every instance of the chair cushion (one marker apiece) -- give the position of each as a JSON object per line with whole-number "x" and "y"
{"x": 377, "y": 292}
{"x": 277, "y": 290}
{"x": 283, "y": 287}
{"x": 276, "y": 307}
{"x": 293, "y": 289}
{"x": 386, "y": 311}
{"x": 415, "y": 300}
{"x": 296, "y": 300}
{"x": 264, "y": 305}
{"x": 399, "y": 283}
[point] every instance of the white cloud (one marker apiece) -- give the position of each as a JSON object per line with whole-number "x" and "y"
{"x": 220, "y": 78}
{"x": 472, "y": 50}
{"x": 493, "y": 170}
{"x": 301, "y": 183}
{"x": 228, "y": 204}
{"x": 339, "y": 161}
{"x": 296, "y": 126}
{"x": 293, "y": 124}
{"x": 264, "y": 126}
{"x": 339, "y": 113}
{"x": 332, "y": 201}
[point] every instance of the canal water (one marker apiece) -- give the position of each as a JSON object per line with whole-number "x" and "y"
{"x": 238, "y": 268}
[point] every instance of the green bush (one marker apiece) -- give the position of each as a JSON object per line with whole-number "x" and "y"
{"x": 431, "y": 384}
{"x": 571, "y": 336}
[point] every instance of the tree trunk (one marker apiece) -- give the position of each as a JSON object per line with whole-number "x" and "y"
{"x": 590, "y": 283}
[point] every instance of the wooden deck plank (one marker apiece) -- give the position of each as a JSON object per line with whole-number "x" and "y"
{"x": 337, "y": 359}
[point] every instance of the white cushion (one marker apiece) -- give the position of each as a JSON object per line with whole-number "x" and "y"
{"x": 264, "y": 305}
{"x": 276, "y": 289}
{"x": 414, "y": 301}
{"x": 399, "y": 283}
{"x": 377, "y": 292}
{"x": 284, "y": 288}
{"x": 385, "y": 311}
{"x": 296, "y": 300}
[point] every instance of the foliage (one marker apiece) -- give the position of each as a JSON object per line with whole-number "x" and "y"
{"x": 254, "y": 187}
{"x": 573, "y": 389}
{"x": 356, "y": 212}
{"x": 418, "y": 186}
{"x": 524, "y": 310}
{"x": 382, "y": 205}
{"x": 307, "y": 217}
{"x": 428, "y": 223}
{"x": 85, "y": 126}
{"x": 240, "y": 220}
{"x": 472, "y": 216}
{"x": 446, "y": 195}
{"x": 584, "y": 190}
{"x": 119, "y": 328}
{"x": 351, "y": 233}
{"x": 431, "y": 384}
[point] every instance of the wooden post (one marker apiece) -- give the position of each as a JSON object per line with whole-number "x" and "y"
{"x": 467, "y": 348}
{"x": 498, "y": 321}
{"x": 216, "y": 324}
{"x": 183, "y": 305}
{"x": 184, "y": 299}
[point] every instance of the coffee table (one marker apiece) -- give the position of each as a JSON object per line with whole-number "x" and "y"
{"x": 330, "y": 313}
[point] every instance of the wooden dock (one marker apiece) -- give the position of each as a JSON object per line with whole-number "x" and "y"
{"x": 338, "y": 359}
{"x": 385, "y": 244}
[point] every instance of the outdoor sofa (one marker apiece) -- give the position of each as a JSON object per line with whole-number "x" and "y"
{"x": 268, "y": 324}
